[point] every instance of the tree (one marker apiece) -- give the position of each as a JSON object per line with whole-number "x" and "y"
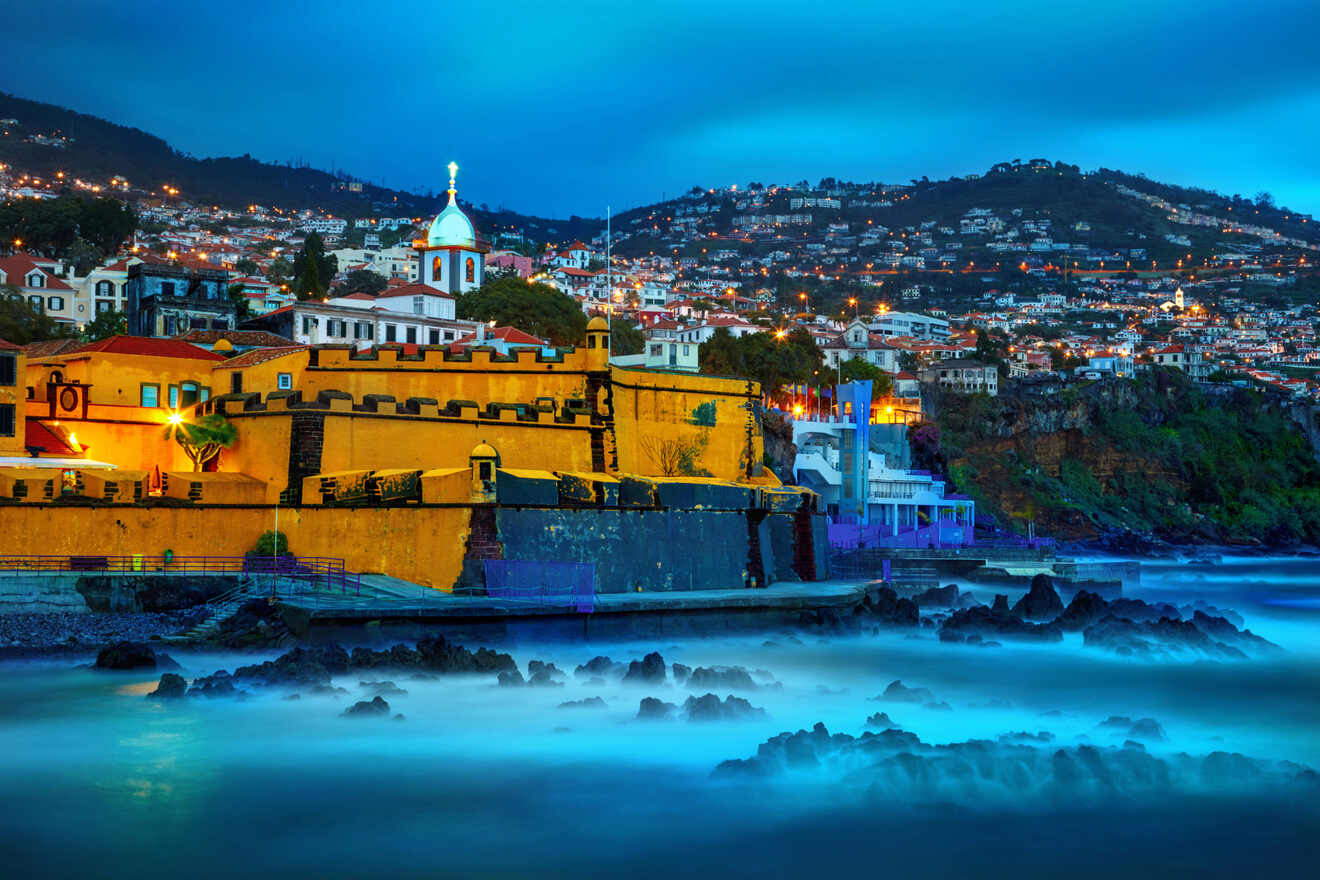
{"x": 21, "y": 324}
{"x": 626, "y": 339}
{"x": 361, "y": 281}
{"x": 533, "y": 308}
{"x": 773, "y": 361}
{"x": 313, "y": 268}
{"x": 858, "y": 370}
{"x": 1264, "y": 200}
{"x": 242, "y": 307}
{"x": 247, "y": 266}
{"x": 84, "y": 256}
{"x": 279, "y": 271}
{"x": 105, "y": 325}
{"x": 203, "y": 439}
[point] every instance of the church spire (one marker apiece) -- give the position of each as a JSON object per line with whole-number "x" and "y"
{"x": 453, "y": 187}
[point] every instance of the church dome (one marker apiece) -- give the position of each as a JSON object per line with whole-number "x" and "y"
{"x": 451, "y": 227}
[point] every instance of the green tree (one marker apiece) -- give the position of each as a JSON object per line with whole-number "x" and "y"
{"x": 533, "y": 308}
{"x": 626, "y": 339}
{"x": 858, "y": 370}
{"x": 279, "y": 271}
{"x": 361, "y": 281}
{"x": 203, "y": 439}
{"x": 21, "y": 324}
{"x": 84, "y": 256}
{"x": 105, "y": 325}
{"x": 247, "y": 266}
{"x": 242, "y": 307}
{"x": 313, "y": 268}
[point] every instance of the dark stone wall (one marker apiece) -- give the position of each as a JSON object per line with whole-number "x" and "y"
{"x": 780, "y": 547}
{"x": 307, "y": 437}
{"x": 650, "y": 549}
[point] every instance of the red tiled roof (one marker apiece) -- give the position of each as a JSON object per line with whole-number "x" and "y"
{"x": 49, "y": 347}
{"x": 6, "y": 345}
{"x": 19, "y": 266}
{"x": 149, "y": 346}
{"x": 255, "y": 338}
{"x": 38, "y": 436}
{"x": 510, "y": 335}
{"x": 415, "y": 289}
{"x": 259, "y": 356}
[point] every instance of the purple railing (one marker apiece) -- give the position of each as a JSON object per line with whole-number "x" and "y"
{"x": 310, "y": 572}
{"x": 545, "y": 584}
{"x": 850, "y": 536}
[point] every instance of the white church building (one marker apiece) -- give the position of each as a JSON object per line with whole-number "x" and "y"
{"x": 451, "y": 258}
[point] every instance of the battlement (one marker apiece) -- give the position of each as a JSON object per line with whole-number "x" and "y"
{"x": 440, "y": 357}
{"x": 542, "y": 410}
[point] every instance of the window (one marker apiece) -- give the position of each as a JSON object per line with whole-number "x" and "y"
{"x": 284, "y": 381}
{"x": 38, "y": 303}
{"x": 169, "y": 325}
{"x": 56, "y": 303}
{"x": 204, "y": 394}
{"x": 362, "y": 330}
{"x": 470, "y": 271}
{"x": 6, "y": 420}
{"x": 151, "y": 395}
{"x": 483, "y": 468}
{"x": 220, "y": 324}
{"x": 188, "y": 393}
{"x": 102, "y": 306}
{"x": 236, "y": 382}
{"x": 309, "y": 324}
{"x": 105, "y": 288}
{"x": 449, "y": 336}
{"x": 419, "y": 305}
{"x": 391, "y": 333}
{"x": 174, "y": 397}
{"x": 412, "y": 335}
{"x": 685, "y": 351}
{"x": 8, "y": 369}
{"x": 167, "y": 288}
{"x": 437, "y": 268}
{"x": 36, "y": 279}
{"x": 591, "y": 340}
{"x": 433, "y": 337}
{"x": 657, "y": 350}
{"x": 195, "y": 323}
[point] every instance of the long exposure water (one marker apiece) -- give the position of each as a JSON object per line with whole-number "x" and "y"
{"x": 97, "y": 780}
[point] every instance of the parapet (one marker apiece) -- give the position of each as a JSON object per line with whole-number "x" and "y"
{"x": 542, "y": 410}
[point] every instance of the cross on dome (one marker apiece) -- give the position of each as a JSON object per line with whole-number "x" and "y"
{"x": 453, "y": 171}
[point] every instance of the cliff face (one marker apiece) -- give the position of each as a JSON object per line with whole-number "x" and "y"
{"x": 1156, "y": 457}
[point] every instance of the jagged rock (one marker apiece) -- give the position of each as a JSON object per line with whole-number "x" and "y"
{"x": 1085, "y": 608}
{"x": 1164, "y": 636}
{"x": 171, "y": 685}
{"x": 367, "y": 709}
{"x": 1139, "y": 610}
{"x": 649, "y": 670}
{"x": 535, "y": 666}
{"x": 681, "y": 673}
{"x": 900, "y": 693}
{"x": 382, "y": 688}
{"x": 600, "y": 667}
{"x": 882, "y": 721}
{"x": 1220, "y": 628}
{"x": 985, "y": 622}
{"x": 1041, "y": 602}
{"x": 722, "y": 677}
{"x": 652, "y": 709}
{"x": 131, "y": 655}
{"x": 439, "y": 655}
{"x": 588, "y": 703}
{"x": 967, "y": 600}
{"x": 1189, "y": 611}
{"x": 1022, "y": 736}
{"x": 885, "y": 605}
{"x": 1116, "y": 721}
{"x": 301, "y": 666}
{"x": 709, "y": 708}
{"x": 1000, "y": 605}
{"x": 218, "y": 684}
{"x": 511, "y": 678}
{"x": 940, "y": 597}
{"x": 1146, "y": 728}
{"x": 543, "y": 677}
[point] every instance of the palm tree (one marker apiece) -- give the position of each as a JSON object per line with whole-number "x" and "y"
{"x": 203, "y": 439}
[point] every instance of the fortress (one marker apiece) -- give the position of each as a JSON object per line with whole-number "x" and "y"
{"x": 412, "y": 461}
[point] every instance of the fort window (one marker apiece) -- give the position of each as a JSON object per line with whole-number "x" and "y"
{"x": 591, "y": 340}
{"x": 236, "y": 382}
{"x": 483, "y": 468}
{"x": 284, "y": 381}
{"x": 8, "y": 369}
{"x": 6, "y": 420}
{"x": 151, "y": 395}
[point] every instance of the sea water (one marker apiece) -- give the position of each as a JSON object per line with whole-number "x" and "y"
{"x": 98, "y": 780}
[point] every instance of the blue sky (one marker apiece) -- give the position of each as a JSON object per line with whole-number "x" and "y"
{"x": 563, "y": 108}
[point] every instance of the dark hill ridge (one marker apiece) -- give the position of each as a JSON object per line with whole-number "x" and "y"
{"x": 99, "y": 150}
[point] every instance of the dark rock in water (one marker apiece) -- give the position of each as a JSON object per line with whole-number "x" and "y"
{"x": 709, "y": 708}
{"x": 367, "y": 709}
{"x": 652, "y": 709}
{"x": 950, "y": 635}
{"x": 681, "y": 673}
{"x": 882, "y": 721}
{"x": 1022, "y": 736}
{"x": 1041, "y": 602}
{"x": 1139, "y": 610}
{"x": 511, "y": 678}
{"x": 1133, "y": 744}
{"x": 536, "y": 666}
{"x": 326, "y": 690}
{"x": 543, "y": 677}
{"x": 1228, "y": 614}
{"x": 439, "y": 655}
{"x": 599, "y": 667}
{"x": 900, "y": 693}
{"x": 1164, "y": 636}
{"x": 588, "y": 703}
{"x": 1121, "y": 722}
{"x": 967, "y": 600}
{"x": 126, "y": 655}
{"x": 1146, "y": 728}
{"x": 218, "y": 684}
{"x": 1085, "y": 608}
{"x": 1000, "y": 605}
{"x": 649, "y": 670}
{"x": 885, "y": 606}
{"x": 940, "y": 706}
{"x": 940, "y": 597}
{"x": 301, "y": 666}
{"x": 382, "y": 688}
{"x": 171, "y": 685}
{"x": 722, "y": 677}
{"x": 1222, "y": 629}
{"x": 988, "y": 623}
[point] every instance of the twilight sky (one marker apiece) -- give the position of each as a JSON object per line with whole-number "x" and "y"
{"x": 558, "y": 108}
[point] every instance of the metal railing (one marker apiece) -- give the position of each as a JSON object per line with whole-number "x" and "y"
{"x": 570, "y": 585}
{"x": 299, "y": 574}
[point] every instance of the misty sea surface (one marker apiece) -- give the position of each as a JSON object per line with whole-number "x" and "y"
{"x": 97, "y": 780}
